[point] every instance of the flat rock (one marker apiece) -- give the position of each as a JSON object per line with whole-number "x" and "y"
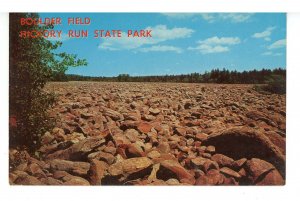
{"x": 180, "y": 171}
{"x": 78, "y": 168}
{"x": 129, "y": 166}
{"x": 222, "y": 160}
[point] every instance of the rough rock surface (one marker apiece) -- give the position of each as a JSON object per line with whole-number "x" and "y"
{"x": 158, "y": 134}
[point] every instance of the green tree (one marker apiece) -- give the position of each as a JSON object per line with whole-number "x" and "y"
{"x": 32, "y": 62}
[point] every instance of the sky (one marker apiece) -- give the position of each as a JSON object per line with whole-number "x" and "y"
{"x": 181, "y": 43}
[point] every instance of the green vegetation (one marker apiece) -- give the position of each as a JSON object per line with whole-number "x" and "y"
{"x": 32, "y": 62}
{"x": 264, "y": 76}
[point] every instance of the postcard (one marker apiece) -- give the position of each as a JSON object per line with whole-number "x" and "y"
{"x": 147, "y": 99}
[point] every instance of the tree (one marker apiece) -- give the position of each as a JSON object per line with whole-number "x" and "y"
{"x": 32, "y": 62}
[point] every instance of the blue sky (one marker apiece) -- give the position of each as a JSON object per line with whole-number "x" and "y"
{"x": 181, "y": 43}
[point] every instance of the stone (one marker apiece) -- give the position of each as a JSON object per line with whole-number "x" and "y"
{"x": 172, "y": 182}
{"x": 153, "y": 154}
{"x": 78, "y": 168}
{"x": 204, "y": 164}
{"x": 47, "y": 138}
{"x": 144, "y": 127}
{"x": 132, "y": 135}
{"x": 257, "y": 168}
{"x": 77, "y": 151}
{"x": 180, "y": 131}
{"x": 201, "y": 136}
{"x": 272, "y": 178}
{"x": 97, "y": 171}
{"x": 103, "y": 156}
{"x": 77, "y": 181}
{"x": 213, "y": 177}
{"x": 152, "y": 176}
{"x": 238, "y": 164}
{"x": 210, "y": 149}
{"x": 113, "y": 114}
{"x": 180, "y": 171}
{"x": 129, "y": 166}
{"x": 230, "y": 172}
{"x": 154, "y": 111}
{"x": 246, "y": 142}
{"x": 27, "y": 180}
{"x": 223, "y": 160}
{"x": 163, "y": 147}
{"x": 256, "y": 115}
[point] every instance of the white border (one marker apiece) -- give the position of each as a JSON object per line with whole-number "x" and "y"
{"x": 288, "y": 192}
{"x": 150, "y": 5}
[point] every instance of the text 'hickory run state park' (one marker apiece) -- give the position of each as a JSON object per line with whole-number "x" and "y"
{"x": 99, "y": 33}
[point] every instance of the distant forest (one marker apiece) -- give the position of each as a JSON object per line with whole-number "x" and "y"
{"x": 214, "y": 76}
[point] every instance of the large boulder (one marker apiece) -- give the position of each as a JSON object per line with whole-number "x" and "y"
{"x": 261, "y": 172}
{"x": 242, "y": 142}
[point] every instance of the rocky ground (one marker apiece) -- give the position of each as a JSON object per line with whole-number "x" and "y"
{"x": 158, "y": 134}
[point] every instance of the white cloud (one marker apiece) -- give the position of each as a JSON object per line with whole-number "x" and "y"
{"x": 265, "y": 34}
{"x": 221, "y": 41}
{"x": 212, "y": 17}
{"x": 235, "y": 17}
{"x": 215, "y": 44}
{"x": 278, "y": 44}
{"x": 267, "y": 53}
{"x": 161, "y": 48}
{"x": 180, "y": 15}
{"x": 270, "y": 53}
{"x": 160, "y": 33}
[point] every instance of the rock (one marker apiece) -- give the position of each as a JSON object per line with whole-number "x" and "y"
{"x": 277, "y": 140}
{"x": 272, "y": 178}
{"x": 213, "y": 177}
{"x": 52, "y": 181}
{"x": 229, "y": 172}
{"x": 153, "y": 154}
{"x": 180, "y": 131}
{"x": 77, "y": 151}
{"x": 163, "y": 147}
{"x": 172, "y": 182}
{"x": 59, "y": 134}
{"x": 257, "y": 169}
{"x": 47, "y": 138}
{"x": 103, "y": 156}
{"x": 152, "y": 176}
{"x": 144, "y": 127}
{"x": 201, "y": 136}
{"x": 223, "y": 160}
{"x": 77, "y": 181}
{"x": 256, "y": 115}
{"x": 204, "y": 164}
{"x": 129, "y": 166}
{"x": 27, "y": 180}
{"x": 154, "y": 111}
{"x": 78, "y": 168}
{"x": 113, "y": 114}
{"x": 180, "y": 171}
{"x": 132, "y": 135}
{"x": 239, "y": 163}
{"x": 148, "y": 117}
{"x": 35, "y": 170}
{"x": 210, "y": 149}
{"x": 86, "y": 115}
{"x": 245, "y": 142}
{"x": 134, "y": 150}
{"x": 96, "y": 172}
{"x": 69, "y": 179}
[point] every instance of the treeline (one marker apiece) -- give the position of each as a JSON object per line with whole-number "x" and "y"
{"x": 214, "y": 76}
